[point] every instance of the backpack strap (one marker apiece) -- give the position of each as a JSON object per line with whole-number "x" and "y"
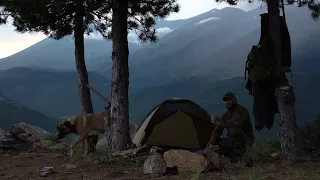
{"x": 285, "y": 22}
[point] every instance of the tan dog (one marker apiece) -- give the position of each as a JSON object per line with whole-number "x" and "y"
{"x": 84, "y": 125}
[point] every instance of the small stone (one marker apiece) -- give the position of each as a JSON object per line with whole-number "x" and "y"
{"x": 69, "y": 166}
{"x": 46, "y": 171}
{"x": 155, "y": 165}
{"x": 58, "y": 147}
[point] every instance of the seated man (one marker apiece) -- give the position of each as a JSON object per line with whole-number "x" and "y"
{"x": 240, "y": 131}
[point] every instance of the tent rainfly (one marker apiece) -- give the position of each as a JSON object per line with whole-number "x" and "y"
{"x": 175, "y": 123}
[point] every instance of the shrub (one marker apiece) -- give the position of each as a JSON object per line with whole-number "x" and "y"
{"x": 51, "y": 137}
{"x": 310, "y": 135}
{"x": 261, "y": 151}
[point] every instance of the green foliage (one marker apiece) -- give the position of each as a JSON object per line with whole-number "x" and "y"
{"x": 261, "y": 152}
{"x": 141, "y": 159}
{"x": 255, "y": 173}
{"x": 310, "y": 135}
{"x": 55, "y": 18}
{"x": 314, "y": 6}
{"x": 51, "y": 137}
{"x": 103, "y": 159}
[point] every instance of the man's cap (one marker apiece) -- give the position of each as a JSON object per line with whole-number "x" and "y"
{"x": 228, "y": 95}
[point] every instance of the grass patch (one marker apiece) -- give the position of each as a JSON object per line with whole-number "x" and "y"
{"x": 255, "y": 173}
{"x": 190, "y": 175}
{"x": 140, "y": 159}
{"x": 310, "y": 135}
{"x": 195, "y": 175}
{"x": 51, "y": 137}
{"x": 261, "y": 152}
{"x": 102, "y": 159}
{"x": 78, "y": 151}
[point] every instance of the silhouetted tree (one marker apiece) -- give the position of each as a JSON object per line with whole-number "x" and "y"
{"x": 142, "y": 15}
{"x": 289, "y": 137}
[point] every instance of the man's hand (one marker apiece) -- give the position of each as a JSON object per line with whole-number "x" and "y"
{"x": 218, "y": 123}
{"x": 215, "y": 119}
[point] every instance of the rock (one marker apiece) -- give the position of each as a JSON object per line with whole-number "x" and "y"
{"x": 43, "y": 144}
{"x": 3, "y": 133}
{"x": 59, "y": 147}
{"x": 185, "y": 161}
{"x": 46, "y": 171}
{"x": 27, "y": 133}
{"x": 69, "y": 166}
{"x": 155, "y": 150}
{"x": 7, "y": 142}
{"x": 217, "y": 162}
{"x": 200, "y": 152}
{"x": 155, "y": 165}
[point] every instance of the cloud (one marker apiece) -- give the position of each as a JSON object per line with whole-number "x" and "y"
{"x": 208, "y": 19}
{"x": 132, "y": 36}
{"x": 12, "y": 42}
{"x": 163, "y": 31}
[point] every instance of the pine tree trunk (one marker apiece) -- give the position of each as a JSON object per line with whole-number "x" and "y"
{"x": 289, "y": 137}
{"x": 84, "y": 92}
{"x": 117, "y": 137}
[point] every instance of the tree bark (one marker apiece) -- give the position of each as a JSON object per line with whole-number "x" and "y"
{"x": 289, "y": 137}
{"x": 84, "y": 92}
{"x": 118, "y": 127}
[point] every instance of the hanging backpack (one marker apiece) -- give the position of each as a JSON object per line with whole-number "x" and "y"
{"x": 258, "y": 65}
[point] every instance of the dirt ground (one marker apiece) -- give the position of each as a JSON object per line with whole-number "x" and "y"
{"x": 25, "y": 166}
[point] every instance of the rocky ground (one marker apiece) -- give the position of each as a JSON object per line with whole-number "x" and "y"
{"x": 26, "y": 150}
{"x": 25, "y": 166}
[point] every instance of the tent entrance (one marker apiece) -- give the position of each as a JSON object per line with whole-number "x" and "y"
{"x": 177, "y": 130}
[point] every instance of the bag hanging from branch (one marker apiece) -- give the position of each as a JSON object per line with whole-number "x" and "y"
{"x": 259, "y": 60}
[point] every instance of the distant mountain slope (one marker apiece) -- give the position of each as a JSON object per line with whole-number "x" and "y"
{"x": 219, "y": 46}
{"x": 59, "y": 54}
{"x": 51, "y": 92}
{"x": 209, "y": 94}
{"x": 213, "y": 43}
{"x": 12, "y": 112}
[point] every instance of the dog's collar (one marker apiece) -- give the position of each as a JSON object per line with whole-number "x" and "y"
{"x": 73, "y": 129}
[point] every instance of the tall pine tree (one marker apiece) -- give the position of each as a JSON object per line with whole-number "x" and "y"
{"x": 142, "y": 15}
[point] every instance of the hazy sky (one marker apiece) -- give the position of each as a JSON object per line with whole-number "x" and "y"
{"x": 12, "y": 42}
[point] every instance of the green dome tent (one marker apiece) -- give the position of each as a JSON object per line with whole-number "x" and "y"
{"x": 175, "y": 123}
